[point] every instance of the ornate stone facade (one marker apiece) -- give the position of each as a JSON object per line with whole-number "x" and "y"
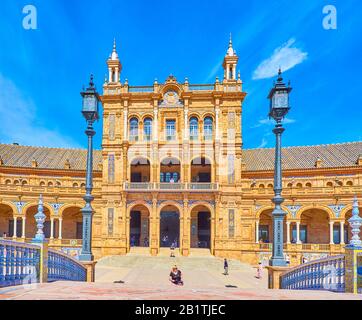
{"x": 172, "y": 170}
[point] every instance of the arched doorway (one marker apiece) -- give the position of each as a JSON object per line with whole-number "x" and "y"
{"x": 169, "y": 227}
{"x": 201, "y": 170}
{"x": 7, "y": 222}
{"x": 170, "y": 170}
{"x": 140, "y": 170}
{"x": 139, "y": 226}
{"x": 31, "y": 228}
{"x": 200, "y": 227}
{"x": 72, "y": 224}
{"x": 314, "y": 226}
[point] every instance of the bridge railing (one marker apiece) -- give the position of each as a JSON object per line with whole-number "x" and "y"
{"x": 64, "y": 267}
{"x": 19, "y": 263}
{"x": 322, "y": 274}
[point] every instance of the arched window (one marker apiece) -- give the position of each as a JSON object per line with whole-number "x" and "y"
{"x": 308, "y": 185}
{"x": 133, "y": 129}
{"x": 349, "y": 183}
{"x": 329, "y": 184}
{"x": 147, "y": 129}
{"x": 42, "y": 183}
{"x": 299, "y": 185}
{"x": 50, "y": 184}
{"x": 208, "y": 128}
{"x": 194, "y": 128}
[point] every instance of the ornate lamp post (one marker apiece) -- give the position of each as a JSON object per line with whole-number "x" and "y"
{"x": 279, "y": 107}
{"x": 90, "y": 112}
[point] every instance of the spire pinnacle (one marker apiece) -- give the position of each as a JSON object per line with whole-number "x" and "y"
{"x": 230, "y": 51}
{"x": 114, "y": 55}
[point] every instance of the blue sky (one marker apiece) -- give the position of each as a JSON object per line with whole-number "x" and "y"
{"x": 42, "y": 71}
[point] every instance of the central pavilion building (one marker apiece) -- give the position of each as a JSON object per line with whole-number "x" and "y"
{"x": 172, "y": 170}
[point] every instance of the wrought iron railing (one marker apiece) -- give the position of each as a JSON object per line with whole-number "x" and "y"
{"x": 64, "y": 267}
{"x": 323, "y": 274}
{"x": 19, "y": 263}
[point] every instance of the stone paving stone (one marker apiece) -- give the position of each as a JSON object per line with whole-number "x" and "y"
{"x": 146, "y": 278}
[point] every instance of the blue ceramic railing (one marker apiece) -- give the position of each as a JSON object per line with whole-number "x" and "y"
{"x": 323, "y": 274}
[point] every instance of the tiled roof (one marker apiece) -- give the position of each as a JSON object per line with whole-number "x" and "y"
{"x": 46, "y": 158}
{"x": 332, "y": 156}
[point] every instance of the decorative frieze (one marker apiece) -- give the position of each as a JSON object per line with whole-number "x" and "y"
{"x": 337, "y": 209}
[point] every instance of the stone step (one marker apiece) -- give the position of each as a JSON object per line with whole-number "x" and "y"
{"x": 200, "y": 252}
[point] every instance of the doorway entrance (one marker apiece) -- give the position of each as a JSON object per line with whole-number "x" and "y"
{"x": 169, "y": 229}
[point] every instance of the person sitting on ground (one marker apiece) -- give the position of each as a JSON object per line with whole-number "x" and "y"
{"x": 175, "y": 276}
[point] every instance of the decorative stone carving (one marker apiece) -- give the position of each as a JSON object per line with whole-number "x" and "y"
{"x": 56, "y": 207}
{"x": 294, "y": 209}
{"x": 19, "y": 205}
{"x": 337, "y": 209}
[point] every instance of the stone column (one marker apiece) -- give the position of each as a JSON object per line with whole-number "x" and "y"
{"x": 116, "y": 75}
{"x": 298, "y": 232}
{"x": 217, "y": 130}
{"x": 23, "y": 227}
{"x": 154, "y": 230}
{"x": 60, "y": 228}
{"x": 256, "y": 231}
{"x": 125, "y": 125}
{"x": 51, "y": 228}
{"x": 15, "y": 226}
{"x": 155, "y": 122}
{"x": 331, "y": 232}
{"x": 342, "y": 232}
{"x": 288, "y": 231}
{"x": 185, "y": 229}
{"x": 186, "y": 124}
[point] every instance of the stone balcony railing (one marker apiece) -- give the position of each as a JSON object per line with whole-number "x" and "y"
{"x": 44, "y": 189}
{"x": 163, "y": 186}
{"x": 305, "y": 191}
{"x": 116, "y": 89}
{"x": 304, "y": 247}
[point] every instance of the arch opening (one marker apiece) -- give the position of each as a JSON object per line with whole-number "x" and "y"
{"x": 140, "y": 170}
{"x": 170, "y": 170}
{"x": 169, "y": 227}
{"x": 200, "y": 227}
{"x": 201, "y": 170}
{"x": 140, "y": 226}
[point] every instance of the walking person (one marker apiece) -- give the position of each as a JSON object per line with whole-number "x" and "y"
{"x": 226, "y": 267}
{"x": 259, "y": 271}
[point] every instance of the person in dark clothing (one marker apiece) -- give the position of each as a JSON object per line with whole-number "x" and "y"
{"x": 175, "y": 276}
{"x": 226, "y": 267}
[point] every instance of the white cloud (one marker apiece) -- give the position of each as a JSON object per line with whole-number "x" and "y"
{"x": 286, "y": 57}
{"x": 263, "y": 143}
{"x": 267, "y": 121}
{"x": 19, "y": 121}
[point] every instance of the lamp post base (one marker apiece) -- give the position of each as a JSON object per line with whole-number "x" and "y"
{"x": 86, "y": 257}
{"x": 277, "y": 262}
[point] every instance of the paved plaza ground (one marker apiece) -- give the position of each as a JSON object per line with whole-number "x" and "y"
{"x": 142, "y": 278}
